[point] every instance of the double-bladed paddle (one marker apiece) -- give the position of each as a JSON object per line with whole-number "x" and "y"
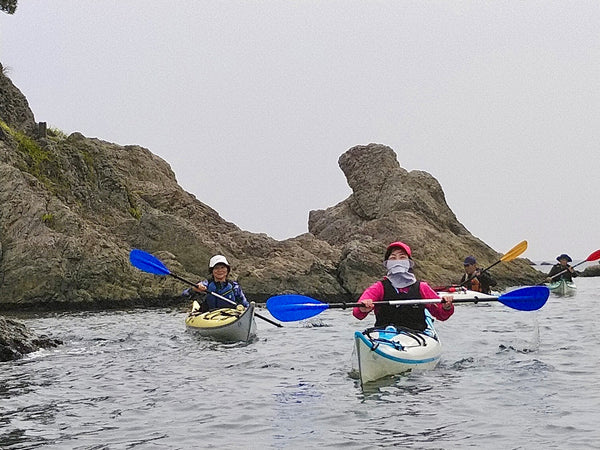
{"x": 151, "y": 264}
{"x": 508, "y": 256}
{"x": 595, "y": 256}
{"x": 291, "y": 307}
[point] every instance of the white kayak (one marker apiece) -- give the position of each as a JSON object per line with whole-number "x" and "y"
{"x": 460, "y": 293}
{"x": 562, "y": 287}
{"x": 225, "y": 324}
{"x": 391, "y": 351}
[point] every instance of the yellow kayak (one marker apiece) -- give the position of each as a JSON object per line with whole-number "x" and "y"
{"x": 225, "y": 324}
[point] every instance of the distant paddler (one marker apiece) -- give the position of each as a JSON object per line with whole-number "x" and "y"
{"x": 476, "y": 279}
{"x": 562, "y": 270}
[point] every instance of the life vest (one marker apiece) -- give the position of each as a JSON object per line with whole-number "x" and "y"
{"x": 405, "y": 316}
{"x": 224, "y": 289}
{"x": 473, "y": 284}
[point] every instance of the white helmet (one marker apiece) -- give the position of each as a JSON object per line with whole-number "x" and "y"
{"x": 218, "y": 259}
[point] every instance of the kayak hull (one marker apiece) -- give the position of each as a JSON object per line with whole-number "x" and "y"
{"x": 562, "y": 287}
{"x": 224, "y": 325}
{"x": 382, "y": 353}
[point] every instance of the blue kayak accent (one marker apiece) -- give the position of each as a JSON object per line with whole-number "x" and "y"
{"x": 360, "y": 335}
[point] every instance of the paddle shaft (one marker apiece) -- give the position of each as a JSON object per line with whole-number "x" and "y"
{"x": 266, "y": 319}
{"x": 421, "y": 301}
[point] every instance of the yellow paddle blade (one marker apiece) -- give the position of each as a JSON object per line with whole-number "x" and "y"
{"x": 515, "y": 251}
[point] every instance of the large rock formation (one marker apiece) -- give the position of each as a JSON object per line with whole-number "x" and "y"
{"x": 389, "y": 203}
{"x": 71, "y": 208}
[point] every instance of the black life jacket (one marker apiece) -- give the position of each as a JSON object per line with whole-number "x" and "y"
{"x": 405, "y": 316}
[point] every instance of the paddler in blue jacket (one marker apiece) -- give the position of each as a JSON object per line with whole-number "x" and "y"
{"x": 218, "y": 282}
{"x": 401, "y": 283}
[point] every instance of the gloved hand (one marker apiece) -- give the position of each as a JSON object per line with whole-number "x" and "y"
{"x": 240, "y": 308}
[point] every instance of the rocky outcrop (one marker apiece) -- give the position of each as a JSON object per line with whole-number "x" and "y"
{"x": 14, "y": 108}
{"x": 389, "y": 203}
{"x": 16, "y": 340}
{"x": 72, "y": 207}
{"x": 591, "y": 271}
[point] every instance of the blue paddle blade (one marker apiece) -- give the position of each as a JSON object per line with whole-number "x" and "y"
{"x": 291, "y": 307}
{"x": 528, "y": 298}
{"x": 147, "y": 262}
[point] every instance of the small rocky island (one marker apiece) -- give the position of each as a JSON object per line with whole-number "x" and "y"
{"x": 16, "y": 340}
{"x": 72, "y": 207}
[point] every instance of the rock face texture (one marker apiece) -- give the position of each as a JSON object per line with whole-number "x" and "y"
{"x": 14, "y": 108}
{"x": 16, "y": 340}
{"x": 592, "y": 271}
{"x": 72, "y": 207}
{"x": 389, "y": 203}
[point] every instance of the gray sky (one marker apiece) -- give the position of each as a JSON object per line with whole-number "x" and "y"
{"x": 253, "y": 102}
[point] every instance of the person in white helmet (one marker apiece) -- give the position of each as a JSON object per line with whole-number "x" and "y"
{"x": 218, "y": 282}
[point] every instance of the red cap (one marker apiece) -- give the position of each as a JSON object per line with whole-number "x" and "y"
{"x": 398, "y": 244}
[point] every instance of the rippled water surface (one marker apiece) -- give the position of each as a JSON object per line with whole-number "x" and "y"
{"x": 136, "y": 379}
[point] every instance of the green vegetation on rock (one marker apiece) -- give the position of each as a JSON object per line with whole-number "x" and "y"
{"x": 38, "y": 161}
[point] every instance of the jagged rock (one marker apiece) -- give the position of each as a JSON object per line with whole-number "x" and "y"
{"x": 72, "y": 207}
{"x": 14, "y": 108}
{"x": 16, "y": 340}
{"x": 389, "y": 203}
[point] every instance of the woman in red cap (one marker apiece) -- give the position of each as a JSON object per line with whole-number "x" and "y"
{"x": 400, "y": 283}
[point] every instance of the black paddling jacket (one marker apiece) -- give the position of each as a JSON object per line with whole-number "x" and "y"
{"x": 567, "y": 276}
{"x": 405, "y": 316}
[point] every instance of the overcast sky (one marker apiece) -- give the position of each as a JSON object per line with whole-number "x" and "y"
{"x": 253, "y": 102}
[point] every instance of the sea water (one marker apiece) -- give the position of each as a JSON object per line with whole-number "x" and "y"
{"x": 137, "y": 379}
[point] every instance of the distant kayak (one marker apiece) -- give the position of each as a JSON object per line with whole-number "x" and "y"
{"x": 458, "y": 293}
{"x": 225, "y": 324}
{"x": 562, "y": 287}
{"x": 391, "y": 351}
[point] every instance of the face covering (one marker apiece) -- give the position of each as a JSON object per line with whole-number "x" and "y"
{"x": 398, "y": 272}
